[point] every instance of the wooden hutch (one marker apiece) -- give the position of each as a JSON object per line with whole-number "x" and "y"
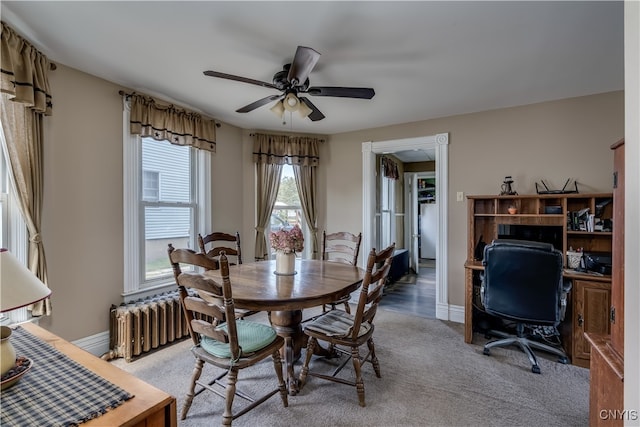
{"x": 544, "y": 217}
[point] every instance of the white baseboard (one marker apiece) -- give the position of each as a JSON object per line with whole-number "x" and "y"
{"x": 453, "y": 313}
{"x": 97, "y": 344}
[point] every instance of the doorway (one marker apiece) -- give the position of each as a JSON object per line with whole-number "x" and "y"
{"x": 438, "y": 143}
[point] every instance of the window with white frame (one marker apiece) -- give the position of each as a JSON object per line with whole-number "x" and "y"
{"x": 287, "y": 211}
{"x": 387, "y": 211}
{"x": 167, "y": 199}
{"x": 13, "y": 230}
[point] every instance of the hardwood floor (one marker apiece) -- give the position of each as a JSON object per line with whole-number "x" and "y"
{"x": 413, "y": 294}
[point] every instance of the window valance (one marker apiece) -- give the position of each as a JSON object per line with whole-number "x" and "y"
{"x": 390, "y": 168}
{"x": 166, "y": 122}
{"x": 25, "y": 72}
{"x": 283, "y": 149}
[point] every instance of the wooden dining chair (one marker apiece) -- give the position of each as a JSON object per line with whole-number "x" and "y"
{"x": 206, "y": 263}
{"x": 343, "y": 247}
{"x": 220, "y": 339}
{"x": 345, "y": 332}
{"x": 217, "y": 242}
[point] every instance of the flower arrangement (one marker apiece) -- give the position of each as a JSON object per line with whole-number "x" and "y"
{"x": 287, "y": 240}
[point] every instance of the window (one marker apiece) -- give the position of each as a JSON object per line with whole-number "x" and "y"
{"x": 287, "y": 211}
{"x": 166, "y": 200}
{"x": 13, "y": 231}
{"x": 387, "y": 224}
{"x": 150, "y": 183}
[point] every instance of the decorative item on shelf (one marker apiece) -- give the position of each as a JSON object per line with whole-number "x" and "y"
{"x": 512, "y": 210}
{"x": 506, "y": 187}
{"x": 564, "y": 189}
{"x": 573, "y": 258}
{"x": 18, "y": 287}
{"x": 286, "y": 242}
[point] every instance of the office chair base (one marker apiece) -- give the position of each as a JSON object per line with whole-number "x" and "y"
{"x": 525, "y": 345}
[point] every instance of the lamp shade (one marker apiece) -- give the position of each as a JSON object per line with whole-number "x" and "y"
{"x": 18, "y": 286}
{"x": 291, "y": 102}
{"x": 278, "y": 109}
{"x": 304, "y": 109}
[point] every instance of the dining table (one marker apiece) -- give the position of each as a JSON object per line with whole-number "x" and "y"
{"x": 256, "y": 286}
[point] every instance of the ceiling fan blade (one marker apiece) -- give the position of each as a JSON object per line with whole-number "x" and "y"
{"x": 343, "y": 92}
{"x": 238, "y": 79}
{"x": 315, "y": 113}
{"x": 258, "y": 103}
{"x": 303, "y": 62}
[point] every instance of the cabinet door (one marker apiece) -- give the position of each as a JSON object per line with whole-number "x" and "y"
{"x": 591, "y": 302}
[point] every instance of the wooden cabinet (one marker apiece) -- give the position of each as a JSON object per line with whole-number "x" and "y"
{"x": 606, "y": 394}
{"x": 568, "y": 221}
{"x": 590, "y": 313}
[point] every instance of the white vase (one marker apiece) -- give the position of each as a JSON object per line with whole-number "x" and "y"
{"x": 285, "y": 263}
{"x": 7, "y": 352}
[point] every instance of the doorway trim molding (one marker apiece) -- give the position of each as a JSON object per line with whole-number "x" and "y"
{"x": 439, "y": 143}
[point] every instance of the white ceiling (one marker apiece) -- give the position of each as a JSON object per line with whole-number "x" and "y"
{"x": 424, "y": 59}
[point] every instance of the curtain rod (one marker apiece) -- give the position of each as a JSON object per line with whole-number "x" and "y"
{"x": 253, "y": 134}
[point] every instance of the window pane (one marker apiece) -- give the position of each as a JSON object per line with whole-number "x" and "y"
{"x": 167, "y": 203}
{"x": 173, "y": 166}
{"x": 164, "y": 225}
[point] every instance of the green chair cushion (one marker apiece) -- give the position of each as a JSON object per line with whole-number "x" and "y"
{"x": 252, "y": 336}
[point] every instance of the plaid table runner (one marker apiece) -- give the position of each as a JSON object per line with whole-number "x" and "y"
{"x": 57, "y": 391}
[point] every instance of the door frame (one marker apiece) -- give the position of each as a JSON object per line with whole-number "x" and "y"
{"x": 439, "y": 143}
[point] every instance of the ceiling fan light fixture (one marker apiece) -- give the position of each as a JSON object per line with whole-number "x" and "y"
{"x": 278, "y": 109}
{"x": 291, "y": 102}
{"x": 304, "y": 110}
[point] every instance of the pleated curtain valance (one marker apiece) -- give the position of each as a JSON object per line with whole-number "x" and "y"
{"x": 166, "y": 122}
{"x": 283, "y": 149}
{"x": 25, "y": 72}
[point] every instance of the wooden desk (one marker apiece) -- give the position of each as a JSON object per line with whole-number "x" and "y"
{"x": 587, "y": 310}
{"x": 317, "y": 282}
{"x": 150, "y": 407}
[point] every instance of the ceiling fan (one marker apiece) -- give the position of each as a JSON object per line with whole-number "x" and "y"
{"x": 292, "y": 81}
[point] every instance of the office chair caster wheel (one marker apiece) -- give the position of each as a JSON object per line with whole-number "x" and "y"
{"x": 535, "y": 369}
{"x": 563, "y": 359}
{"x": 486, "y": 351}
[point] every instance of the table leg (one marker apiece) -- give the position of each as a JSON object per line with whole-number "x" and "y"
{"x": 287, "y": 325}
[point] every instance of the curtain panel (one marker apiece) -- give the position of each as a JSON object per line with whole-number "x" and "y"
{"x": 25, "y": 72}
{"x": 166, "y": 122}
{"x": 283, "y": 149}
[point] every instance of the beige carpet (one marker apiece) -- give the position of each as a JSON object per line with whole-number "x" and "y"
{"x": 430, "y": 377}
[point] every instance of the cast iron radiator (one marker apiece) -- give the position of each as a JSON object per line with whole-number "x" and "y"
{"x": 146, "y": 324}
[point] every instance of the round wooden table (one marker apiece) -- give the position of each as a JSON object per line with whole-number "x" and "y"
{"x": 316, "y": 282}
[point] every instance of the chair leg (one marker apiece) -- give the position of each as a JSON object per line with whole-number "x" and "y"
{"x": 355, "y": 356}
{"x": 562, "y": 356}
{"x": 374, "y": 358}
{"x": 277, "y": 364}
{"x": 347, "y": 307}
{"x": 305, "y": 367}
{"x": 197, "y": 371}
{"x": 232, "y": 378}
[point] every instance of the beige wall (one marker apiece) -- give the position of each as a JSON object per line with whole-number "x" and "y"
{"x": 82, "y": 221}
{"x": 552, "y": 141}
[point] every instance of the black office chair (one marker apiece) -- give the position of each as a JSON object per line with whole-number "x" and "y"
{"x": 523, "y": 283}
